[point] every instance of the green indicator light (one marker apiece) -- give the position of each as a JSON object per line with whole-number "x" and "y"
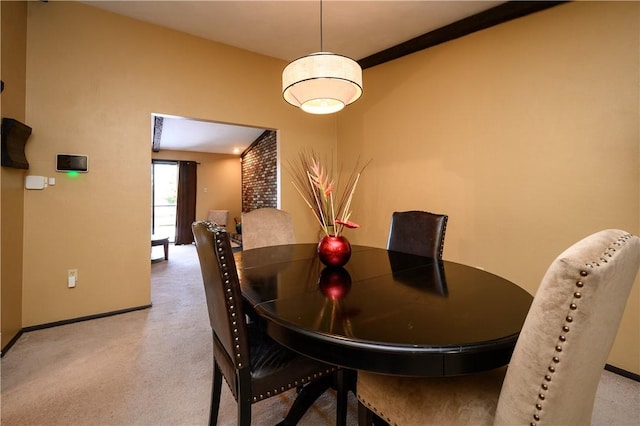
{"x": 72, "y": 174}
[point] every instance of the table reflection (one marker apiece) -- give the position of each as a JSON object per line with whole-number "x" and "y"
{"x": 261, "y": 267}
{"x": 334, "y": 283}
{"x": 422, "y": 273}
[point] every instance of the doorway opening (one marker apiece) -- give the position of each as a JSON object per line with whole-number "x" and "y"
{"x": 164, "y": 183}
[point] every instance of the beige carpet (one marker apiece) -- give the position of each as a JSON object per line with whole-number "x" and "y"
{"x": 153, "y": 367}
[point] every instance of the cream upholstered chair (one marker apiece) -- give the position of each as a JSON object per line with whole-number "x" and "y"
{"x": 557, "y": 362}
{"x": 267, "y": 227}
{"x": 219, "y": 217}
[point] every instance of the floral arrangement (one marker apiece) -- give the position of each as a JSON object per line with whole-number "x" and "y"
{"x": 317, "y": 186}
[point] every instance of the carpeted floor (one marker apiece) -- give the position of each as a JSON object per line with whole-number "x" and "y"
{"x": 153, "y": 367}
{"x": 150, "y": 367}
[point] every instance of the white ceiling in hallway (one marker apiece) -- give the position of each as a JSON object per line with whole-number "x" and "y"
{"x": 184, "y": 134}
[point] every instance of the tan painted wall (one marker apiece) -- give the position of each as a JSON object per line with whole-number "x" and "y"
{"x": 525, "y": 134}
{"x": 219, "y": 181}
{"x": 93, "y": 81}
{"x": 13, "y": 53}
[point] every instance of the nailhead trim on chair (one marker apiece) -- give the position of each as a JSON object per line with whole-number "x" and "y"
{"x": 377, "y": 413}
{"x": 295, "y": 383}
{"x": 224, "y": 268}
{"x": 562, "y": 338}
{"x": 444, "y": 231}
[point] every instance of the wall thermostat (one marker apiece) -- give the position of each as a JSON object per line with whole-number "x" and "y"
{"x": 72, "y": 163}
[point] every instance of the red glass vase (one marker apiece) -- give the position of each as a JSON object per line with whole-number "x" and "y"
{"x": 334, "y": 251}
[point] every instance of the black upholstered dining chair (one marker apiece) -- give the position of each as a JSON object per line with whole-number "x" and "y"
{"x": 557, "y": 362}
{"x": 417, "y": 232}
{"x": 254, "y": 366}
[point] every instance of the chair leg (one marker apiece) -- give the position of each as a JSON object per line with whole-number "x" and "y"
{"x": 365, "y": 416}
{"x": 344, "y": 379}
{"x": 243, "y": 377}
{"x": 216, "y": 389}
{"x": 244, "y": 411}
{"x": 305, "y": 399}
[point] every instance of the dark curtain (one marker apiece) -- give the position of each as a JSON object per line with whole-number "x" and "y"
{"x": 186, "y": 203}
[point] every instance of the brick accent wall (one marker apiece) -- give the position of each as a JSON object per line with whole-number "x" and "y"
{"x": 260, "y": 173}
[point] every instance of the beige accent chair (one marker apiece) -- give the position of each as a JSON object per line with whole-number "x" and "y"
{"x": 267, "y": 227}
{"x": 219, "y": 217}
{"x": 557, "y": 362}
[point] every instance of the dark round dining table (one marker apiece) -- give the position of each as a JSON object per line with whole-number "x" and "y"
{"x": 385, "y": 312}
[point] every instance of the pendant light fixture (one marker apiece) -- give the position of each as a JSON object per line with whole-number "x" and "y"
{"x": 322, "y": 82}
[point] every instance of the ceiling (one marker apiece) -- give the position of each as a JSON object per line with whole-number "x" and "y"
{"x": 287, "y": 30}
{"x": 185, "y": 134}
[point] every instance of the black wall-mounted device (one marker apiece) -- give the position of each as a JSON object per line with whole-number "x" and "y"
{"x": 14, "y": 138}
{"x": 72, "y": 163}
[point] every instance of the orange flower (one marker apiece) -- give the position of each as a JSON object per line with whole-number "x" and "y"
{"x": 347, "y": 223}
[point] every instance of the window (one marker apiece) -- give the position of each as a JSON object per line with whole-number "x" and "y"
{"x": 164, "y": 178}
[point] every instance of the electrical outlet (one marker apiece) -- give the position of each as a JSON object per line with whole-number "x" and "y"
{"x": 72, "y": 278}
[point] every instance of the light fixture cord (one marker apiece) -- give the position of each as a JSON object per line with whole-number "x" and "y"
{"x": 321, "y": 26}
